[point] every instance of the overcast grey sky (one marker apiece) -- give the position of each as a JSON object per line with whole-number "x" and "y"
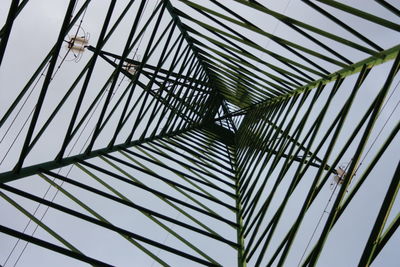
{"x": 35, "y": 32}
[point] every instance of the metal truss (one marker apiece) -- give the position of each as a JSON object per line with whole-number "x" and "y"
{"x": 224, "y": 144}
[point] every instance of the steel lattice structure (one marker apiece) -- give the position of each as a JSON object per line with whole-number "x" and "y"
{"x": 217, "y": 146}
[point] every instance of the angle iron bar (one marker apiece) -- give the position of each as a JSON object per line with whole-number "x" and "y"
{"x": 342, "y": 115}
{"x": 156, "y": 192}
{"x": 253, "y": 86}
{"x": 199, "y": 162}
{"x": 197, "y": 71}
{"x": 314, "y": 132}
{"x": 389, "y": 7}
{"x": 356, "y": 158}
{"x": 239, "y": 219}
{"x": 75, "y": 83}
{"x": 379, "y": 58}
{"x": 190, "y": 151}
{"x": 182, "y": 192}
{"x": 195, "y": 142}
{"x": 146, "y": 56}
{"x": 63, "y": 31}
{"x": 282, "y": 174}
{"x": 368, "y": 169}
{"x": 199, "y": 146}
{"x": 280, "y": 146}
{"x": 188, "y": 60}
{"x": 248, "y": 25}
{"x": 276, "y": 160}
{"x": 206, "y": 135}
{"x": 281, "y": 108}
{"x": 226, "y": 72}
{"x": 180, "y": 173}
{"x": 105, "y": 225}
{"x": 171, "y": 93}
{"x": 256, "y": 5}
{"x": 216, "y": 149}
{"x": 49, "y": 165}
{"x": 101, "y": 218}
{"x": 391, "y": 229}
{"x": 19, "y": 9}
{"x": 245, "y": 170}
{"x": 185, "y": 34}
{"x": 348, "y": 199}
{"x": 180, "y": 210}
{"x": 390, "y": 197}
{"x": 135, "y": 206}
{"x": 12, "y": 14}
{"x": 51, "y": 246}
{"x": 359, "y": 13}
{"x": 251, "y": 124}
{"x": 154, "y": 219}
{"x": 41, "y": 66}
{"x": 192, "y": 95}
{"x": 297, "y": 176}
{"x": 194, "y": 66}
{"x": 162, "y": 86}
{"x": 143, "y": 86}
{"x": 236, "y": 48}
{"x": 187, "y": 166}
{"x": 241, "y": 38}
{"x": 125, "y": 54}
{"x": 343, "y": 25}
{"x": 159, "y": 100}
{"x": 37, "y": 221}
{"x": 250, "y": 76}
{"x": 168, "y": 181}
{"x": 288, "y": 45}
{"x": 100, "y": 44}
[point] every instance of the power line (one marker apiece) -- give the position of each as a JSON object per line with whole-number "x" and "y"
{"x": 359, "y": 165}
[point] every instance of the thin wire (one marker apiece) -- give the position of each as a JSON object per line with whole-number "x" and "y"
{"x": 168, "y": 235}
{"x": 274, "y": 31}
{"x": 12, "y": 144}
{"x": 384, "y": 125}
{"x": 359, "y": 165}
{"x": 76, "y": 59}
{"x": 23, "y": 104}
{"x": 42, "y": 74}
{"x": 75, "y": 143}
{"x": 179, "y": 214}
{"x": 59, "y": 170}
{"x": 141, "y": 37}
{"x": 16, "y": 137}
{"x": 70, "y": 169}
{"x": 164, "y": 241}
{"x": 30, "y": 114}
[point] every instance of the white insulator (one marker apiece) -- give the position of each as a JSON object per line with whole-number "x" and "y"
{"x": 338, "y": 179}
{"x": 78, "y": 48}
{"x": 131, "y": 68}
{"x": 340, "y": 175}
{"x": 81, "y": 40}
{"x": 340, "y": 172}
{"x": 132, "y": 71}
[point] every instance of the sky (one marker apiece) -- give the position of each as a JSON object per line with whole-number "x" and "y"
{"x": 34, "y": 33}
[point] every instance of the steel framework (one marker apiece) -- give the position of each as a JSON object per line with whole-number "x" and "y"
{"x": 224, "y": 144}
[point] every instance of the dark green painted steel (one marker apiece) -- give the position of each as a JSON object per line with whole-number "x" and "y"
{"x": 229, "y": 136}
